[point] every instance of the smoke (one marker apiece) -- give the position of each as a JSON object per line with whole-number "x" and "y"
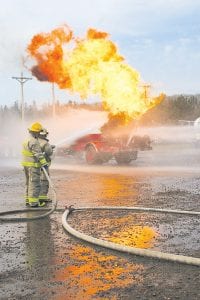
{"x": 38, "y": 74}
{"x": 10, "y": 136}
{"x": 173, "y": 146}
{"x": 62, "y": 129}
{"x": 171, "y": 134}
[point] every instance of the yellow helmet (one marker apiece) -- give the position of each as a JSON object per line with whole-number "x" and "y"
{"x": 35, "y": 127}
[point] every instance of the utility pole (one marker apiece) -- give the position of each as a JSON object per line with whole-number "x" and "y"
{"x": 53, "y": 101}
{"x": 22, "y": 80}
{"x": 146, "y": 89}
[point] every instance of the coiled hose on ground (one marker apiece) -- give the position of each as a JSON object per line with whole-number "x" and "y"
{"x": 47, "y": 211}
{"x": 106, "y": 244}
{"x": 131, "y": 250}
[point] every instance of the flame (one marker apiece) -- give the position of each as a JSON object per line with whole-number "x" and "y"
{"x": 91, "y": 66}
{"x": 48, "y": 51}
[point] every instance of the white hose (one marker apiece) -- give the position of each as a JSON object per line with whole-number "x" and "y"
{"x": 47, "y": 211}
{"x": 49, "y": 180}
{"x": 131, "y": 250}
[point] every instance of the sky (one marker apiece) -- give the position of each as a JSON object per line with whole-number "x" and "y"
{"x": 158, "y": 38}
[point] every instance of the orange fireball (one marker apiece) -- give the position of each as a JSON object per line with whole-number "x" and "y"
{"x": 91, "y": 66}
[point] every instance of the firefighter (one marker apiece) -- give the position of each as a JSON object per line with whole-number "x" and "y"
{"x": 47, "y": 150}
{"x": 33, "y": 160}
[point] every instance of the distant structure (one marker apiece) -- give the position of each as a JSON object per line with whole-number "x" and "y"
{"x": 186, "y": 123}
{"x": 195, "y": 127}
{"x": 197, "y": 122}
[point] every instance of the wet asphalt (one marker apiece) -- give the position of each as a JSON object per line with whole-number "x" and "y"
{"x": 39, "y": 260}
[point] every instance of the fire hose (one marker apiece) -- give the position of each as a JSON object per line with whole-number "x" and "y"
{"x": 131, "y": 250}
{"x": 103, "y": 243}
{"x": 47, "y": 211}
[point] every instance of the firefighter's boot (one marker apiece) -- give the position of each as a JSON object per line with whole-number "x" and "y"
{"x": 34, "y": 202}
{"x": 41, "y": 204}
{"x": 45, "y": 199}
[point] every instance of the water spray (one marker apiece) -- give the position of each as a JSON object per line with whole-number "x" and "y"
{"x": 71, "y": 138}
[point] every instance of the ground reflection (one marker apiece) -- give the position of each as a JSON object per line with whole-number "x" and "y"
{"x": 101, "y": 189}
{"x": 135, "y": 236}
{"x": 39, "y": 247}
{"x": 93, "y": 273}
{"x": 85, "y": 273}
{"x": 116, "y": 189}
{"x": 123, "y": 227}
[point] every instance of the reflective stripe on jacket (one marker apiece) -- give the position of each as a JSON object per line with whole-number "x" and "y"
{"x": 32, "y": 154}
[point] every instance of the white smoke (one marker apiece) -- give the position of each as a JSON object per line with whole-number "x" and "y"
{"x": 62, "y": 129}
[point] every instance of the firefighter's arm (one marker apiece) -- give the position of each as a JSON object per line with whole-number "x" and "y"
{"x": 48, "y": 151}
{"x": 37, "y": 153}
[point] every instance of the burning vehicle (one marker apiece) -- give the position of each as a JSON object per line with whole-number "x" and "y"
{"x": 116, "y": 140}
{"x": 97, "y": 148}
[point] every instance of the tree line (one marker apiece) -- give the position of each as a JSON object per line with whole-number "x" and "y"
{"x": 173, "y": 109}
{"x": 168, "y": 112}
{"x": 45, "y": 110}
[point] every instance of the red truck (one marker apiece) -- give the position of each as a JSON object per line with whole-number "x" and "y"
{"x": 97, "y": 148}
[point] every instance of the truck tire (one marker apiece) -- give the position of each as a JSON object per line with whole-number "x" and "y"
{"x": 124, "y": 158}
{"x": 91, "y": 155}
{"x": 122, "y": 161}
{"x": 134, "y": 155}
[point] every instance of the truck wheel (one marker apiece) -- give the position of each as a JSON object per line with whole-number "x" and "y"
{"x": 122, "y": 159}
{"x": 91, "y": 156}
{"x": 134, "y": 155}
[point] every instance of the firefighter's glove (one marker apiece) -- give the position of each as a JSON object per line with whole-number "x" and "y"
{"x": 43, "y": 162}
{"x": 45, "y": 166}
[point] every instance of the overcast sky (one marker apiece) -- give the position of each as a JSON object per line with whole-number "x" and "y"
{"x": 159, "y": 38}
